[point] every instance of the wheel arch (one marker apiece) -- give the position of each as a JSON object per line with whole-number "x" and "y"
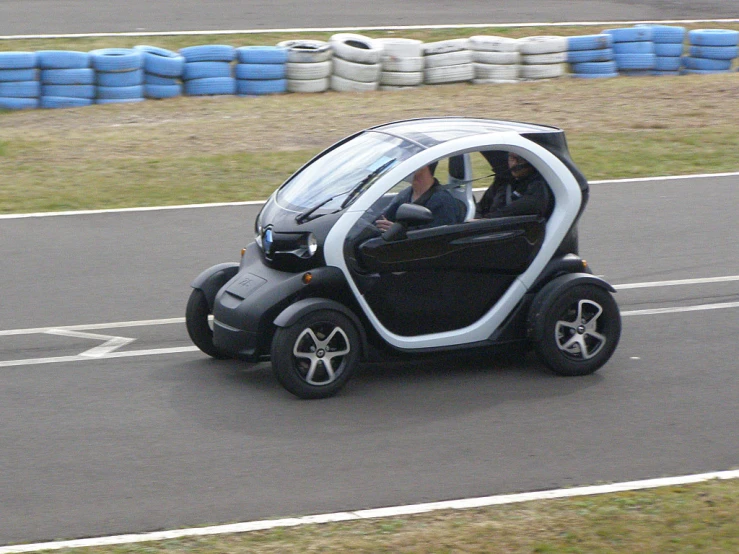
{"x": 549, "y": 294}
{"x": 295, "y": 311}
{"x": 212, "y": 280}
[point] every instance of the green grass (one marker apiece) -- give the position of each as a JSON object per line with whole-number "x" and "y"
{"x": 699, "y": 518}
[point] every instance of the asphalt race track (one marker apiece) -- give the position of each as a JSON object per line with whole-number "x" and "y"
{"x": 21, "y": 17}
{"x": 168, "y": 438}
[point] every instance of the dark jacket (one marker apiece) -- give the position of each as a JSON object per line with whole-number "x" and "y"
{"x": 446, "y": 209}
{"x": 527, "y": 196}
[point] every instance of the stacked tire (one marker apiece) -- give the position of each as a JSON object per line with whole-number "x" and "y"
{"x": 543, "y": 57}
{"x": 207, "y": 70}
{"x": 356, "y": 66}
{"x": 308, "y": 67}
{"x": 495, "y": 59}
{"x": 591, "y": 56}
{"x": 401, "y": 62}
{"x": 447, "y": 61}
{"x": 19, "y": 86}
{"x": 668, "y": 49}
{"x": 119, "y": 75}
{"x": 634, "y": 50}
{"x": 162, "y": 72}
{"x": 711, "y": 51}
{"x": 260, "y": 70}
{"x": 67, "y": 80}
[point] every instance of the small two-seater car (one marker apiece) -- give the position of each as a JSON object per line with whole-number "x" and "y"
{"x": 321, "y": 288}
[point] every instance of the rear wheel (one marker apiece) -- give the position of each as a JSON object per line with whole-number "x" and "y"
{"x": 316, "y": 356}
{"x": 197, "y": 319}
{"x": 581, "y": 331}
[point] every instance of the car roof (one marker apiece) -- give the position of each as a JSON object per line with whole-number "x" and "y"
{"x": 431, "y": 131}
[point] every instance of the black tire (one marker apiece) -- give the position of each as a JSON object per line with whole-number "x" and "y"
{"x": 581, "y": 331}
{"x": 316, "y": 356}
{"x": 198, "y": 326}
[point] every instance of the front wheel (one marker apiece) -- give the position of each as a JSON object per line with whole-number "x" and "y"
{"x": 197, "y": 319}
{"x": 315, "y": 356}
{"x": 581, "y": 331}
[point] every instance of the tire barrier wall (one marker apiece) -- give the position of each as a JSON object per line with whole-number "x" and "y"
{"x": 352, "y": 63}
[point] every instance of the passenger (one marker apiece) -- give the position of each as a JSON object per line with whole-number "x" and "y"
{"x": 425, "y": 190}
{"x": 524, "y": 192}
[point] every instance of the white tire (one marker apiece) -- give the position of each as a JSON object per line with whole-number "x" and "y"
{"x": 444, "y": 46}
{"x": 308, "y": 85}
{"x": 485, "y": 43}
{"x": 449, "y": 74}
{"x": 542, "y": 45}
{"x": 307, "y": 71}
{"x": 493, "y": 81}
{"x": 307, "y": 51}
{"x": 356, "y": 48}
{"x": 339, "y": 84}
{"x": 401, "y": 78}
{"x": 393, "y": 87}
{"x": 402, "y": 64}
{"x": 365, "y": 73}
{"x": 489, "y": 71}
{"x": 542, "y": 59}
{"x": 548, "y": 71}
{"x": 449, "y": 58}
{"x": 498, "y": 58}
{"x": 401, "y": 47}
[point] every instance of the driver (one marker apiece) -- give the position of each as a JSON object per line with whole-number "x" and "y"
{"x": 523, "y": 191}
{"x": 425, "y": 190}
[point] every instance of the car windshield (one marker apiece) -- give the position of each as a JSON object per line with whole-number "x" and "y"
{"x": 342, "y": 174}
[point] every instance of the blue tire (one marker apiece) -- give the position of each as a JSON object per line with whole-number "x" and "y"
{"x": 81, "y": 76}
{"x": 161, "y": 61}
{"x": 64, "y": 102}
{"x": 713, "y": 37}
{"x": 120, "y": 93}
{"x": 117, "y": 59}
{"x": 119, "y": 100}
{"x": 20, "y": 89}
{"x": 630, "y": 34}
{"x": 261, "y": 54}
{"x": 706, "y": 64}
{"x": 582, "y": 56}
{"x": 644, "y": 47}
{"x": 258, "y": 88}
{"x": 212, "y": 86}
{"x": 260, "y": 71}
{"x": 635, "y": 61}
{"x": 636, "y": 73}
{"x": 17, "y": 75}
{"x": 151, "y": 79}
{"x": 62, "y": 59}
{"x": 594, "y": 67}
{"x": 17, "y": 60}
{"x": 206, "y": 70}
{"x": 120, "y": 78}
{"x": 667, "y": 63}
{"x": 209, "y": 53}
{"x": 9, "y": 103}
{"x": 69, "y": 91}
{"x": 163, "y": 91}
{"x": 668, "y": 49}
{"x": 594, "y": 75}
{"x": 715, "y": 52}
{"x": 589, "y": 42}
{"x": 661, "y": 73}
{"x": 666, "y": 34}
{"x": 703, "y": 71}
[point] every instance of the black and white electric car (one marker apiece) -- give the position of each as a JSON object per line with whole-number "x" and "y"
{"x": 321, "y": 288}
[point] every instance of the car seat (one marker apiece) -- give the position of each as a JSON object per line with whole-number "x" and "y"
{"x": 460, "y": 183}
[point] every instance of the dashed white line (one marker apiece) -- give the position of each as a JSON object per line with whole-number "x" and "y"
{"x": 393, "y": 511}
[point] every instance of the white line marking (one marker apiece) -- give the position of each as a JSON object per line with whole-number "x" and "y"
{"x": 110, "y": 344}
{"x": 681, "y": 309}
{"x": 677, "y": 282}
{"x": 94, "y": 326}
{"x": 86, "y": 358}
{"x": 393, "y": 511}
{"x": 260, "y": 202}
{"x": 354, "y": 29}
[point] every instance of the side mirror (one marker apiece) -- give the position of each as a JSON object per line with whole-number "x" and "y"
{"x": 407, "y": 214}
